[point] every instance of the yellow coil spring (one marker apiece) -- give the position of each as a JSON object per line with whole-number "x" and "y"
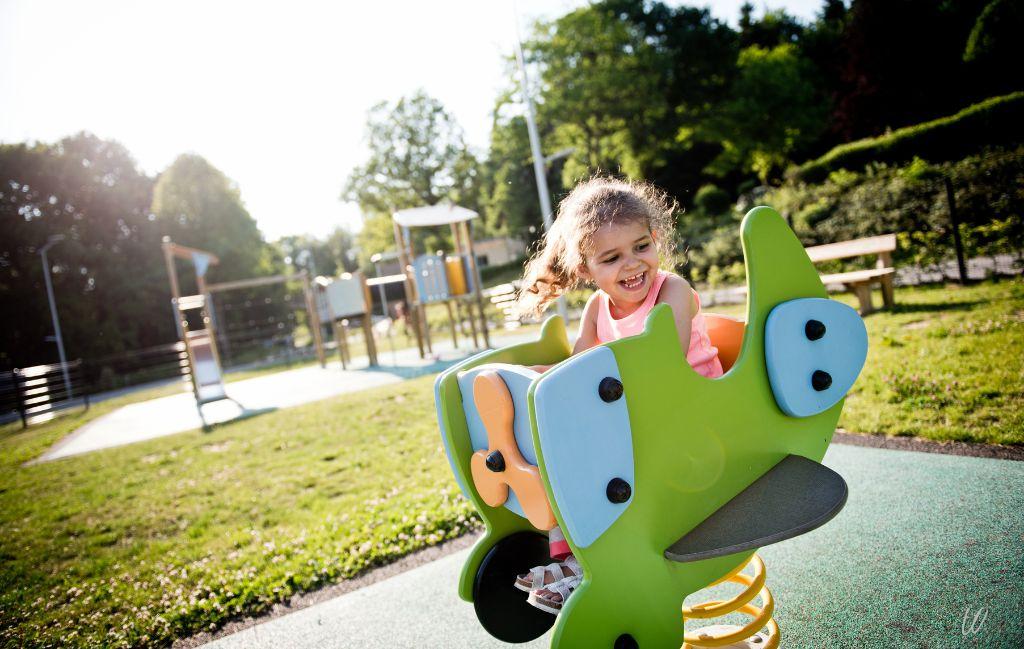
{"x": 742, "y": 604}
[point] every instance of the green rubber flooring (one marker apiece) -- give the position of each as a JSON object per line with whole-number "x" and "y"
{"x": 924, "y": 540}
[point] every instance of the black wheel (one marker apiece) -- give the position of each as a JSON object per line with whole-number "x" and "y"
{"x": 500, "y": 606}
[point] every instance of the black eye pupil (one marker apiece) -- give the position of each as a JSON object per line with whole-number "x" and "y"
{"x": 820, "y": 380}
{"x": 495, "y": 462}
{"x": 814, "y": 329}
{"x": 609, "y": 389}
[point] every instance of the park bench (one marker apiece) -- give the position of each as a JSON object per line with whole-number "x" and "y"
{"x": 503, "y": 296}
{"x": 859, "y": 282}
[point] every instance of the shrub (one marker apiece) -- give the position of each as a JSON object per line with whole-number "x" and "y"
{"x": 712, "y": 201}
{"x": 911, "y": 200}
{"x": 993, "y": 122}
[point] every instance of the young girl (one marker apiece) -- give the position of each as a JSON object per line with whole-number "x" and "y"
{"x": 612, "y": 234}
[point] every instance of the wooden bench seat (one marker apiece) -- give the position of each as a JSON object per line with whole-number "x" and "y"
{"x": 503, "y": 296}
{"x": 859, "y": 282}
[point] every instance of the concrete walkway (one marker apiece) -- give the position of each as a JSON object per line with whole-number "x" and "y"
{"x": 924, "y": 540}
{"x": 177, "y": 413}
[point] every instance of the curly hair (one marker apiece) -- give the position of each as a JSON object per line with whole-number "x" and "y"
{"x": 554, "y": 268}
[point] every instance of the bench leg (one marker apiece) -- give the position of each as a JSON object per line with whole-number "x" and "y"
{"x": 888, "y": 297}
{"x": 863, "y": 292}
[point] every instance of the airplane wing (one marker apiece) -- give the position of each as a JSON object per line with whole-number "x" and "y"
{"x": 792, "y": 498}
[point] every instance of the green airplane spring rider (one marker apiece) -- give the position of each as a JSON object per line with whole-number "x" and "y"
{"x": 656, "y": 498}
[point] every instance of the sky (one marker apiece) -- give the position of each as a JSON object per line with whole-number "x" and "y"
{"x": 275, "y": 95}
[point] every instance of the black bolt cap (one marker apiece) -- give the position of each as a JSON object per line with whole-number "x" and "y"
{"x": 815, "y": 329}
{"x": 610, "y": 389}
{"x": 618, "y": 490}
{"x": 626, "y": 641}
{"x": 495, "y": 462}
{"x": 821, "y": 381}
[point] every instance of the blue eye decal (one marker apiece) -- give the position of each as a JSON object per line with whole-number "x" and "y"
{"x": 584, "y": 433}
{"x": 814, "y": 349}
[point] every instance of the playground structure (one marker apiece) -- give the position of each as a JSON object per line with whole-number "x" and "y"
{"x": 201, "y": 359}
{"x": 345, "y": 297}
{"x": 661, "y": 485}
{"x": 431, "y": 278}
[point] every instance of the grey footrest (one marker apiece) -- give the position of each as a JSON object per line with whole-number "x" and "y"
{"x": 792, "y": 498}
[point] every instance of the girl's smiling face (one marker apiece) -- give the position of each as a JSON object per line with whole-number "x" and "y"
{"x": 622, "y": 261}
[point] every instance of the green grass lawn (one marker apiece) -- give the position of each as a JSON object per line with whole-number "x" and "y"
{"x": 136, "y": 545}
{"x": 946, "y": 364}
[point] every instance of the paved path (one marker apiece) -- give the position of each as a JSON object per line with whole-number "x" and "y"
{"x": 177, "y": 413}
{"x": 923, "y": 539}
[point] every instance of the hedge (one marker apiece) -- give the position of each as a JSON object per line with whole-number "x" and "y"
{"x": 993, "y": 122}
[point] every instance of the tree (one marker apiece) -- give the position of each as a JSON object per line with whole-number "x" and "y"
{"x": 903, "y": 64}
{"x": 329, "y": 256}
{"x": 774, "y": 28}
{"x": 622, "y": 80}
{"x": 107, "y": 273}
{"x": 994, "y": 46}
{"x": 417, "y": 157}
{"x": 197, "y": 205}
{"x": 773, "y": 111}
{"x": 510, "y": 201}
{"x": 598, "y": 76}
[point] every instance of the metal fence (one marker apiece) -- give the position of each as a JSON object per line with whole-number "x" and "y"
{"x": 37, "y": 393}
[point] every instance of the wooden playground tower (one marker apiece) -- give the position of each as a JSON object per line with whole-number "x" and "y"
{"x": 202, "y": 358}
{"x": 429, "y": 278}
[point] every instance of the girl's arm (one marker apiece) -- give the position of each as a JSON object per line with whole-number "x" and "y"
{"x": 678, "y": 295}
{"x": 587, "y": 336}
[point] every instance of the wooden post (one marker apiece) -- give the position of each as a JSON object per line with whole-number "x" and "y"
{"x": 863, "y": 292}
{"x": 314, "y": 319}
{"x": 426, "y": 328}
{"x": 172, "y": 275}
{"x": 182, "y": 323}
{"x": 371, "y": 345}
{"x": 455, "y": 239}
{"x": 340, "y": 342}
{"x": 334, "y": 328}
{"x": 476, "y": 282}
{"x": 961, "y": 265}
{"x": 410, "y": 288}
{"x": 472, "y": 322}
{"x": 451, "y": 320}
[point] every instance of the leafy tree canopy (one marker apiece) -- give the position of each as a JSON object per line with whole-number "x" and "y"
{"x": 197, "y": 205}
{"x": 773, "y": 111}
{"x": 105, "y": 273}
{"x": 418, "y": 157}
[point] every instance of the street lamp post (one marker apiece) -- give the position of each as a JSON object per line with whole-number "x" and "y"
{"x": 538, "y": 157}
{"x": 51, "y": 241}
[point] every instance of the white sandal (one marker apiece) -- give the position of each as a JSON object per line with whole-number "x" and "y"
{"x": 563, "y": 588}
{"x": 534, "y": 580}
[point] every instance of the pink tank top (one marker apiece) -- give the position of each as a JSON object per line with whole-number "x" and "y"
{"x": 701, "y": 355}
